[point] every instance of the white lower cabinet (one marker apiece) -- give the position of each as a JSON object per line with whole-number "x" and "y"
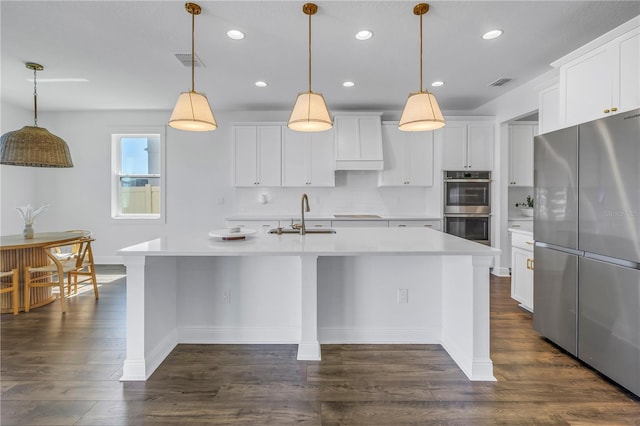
{"x": 522, "y": 265}
{"x": 262, "y": 226}
{"x": 433, "y": 224}
{"x": 360, "y": 223}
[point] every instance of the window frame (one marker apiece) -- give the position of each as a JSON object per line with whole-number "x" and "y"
{"x": 116, "y": 135}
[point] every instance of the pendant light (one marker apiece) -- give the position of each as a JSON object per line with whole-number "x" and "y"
{"x": 310, "y": 113}
{"x": 34, "y": 146}
{"x": 192, "y": 111}
{"x": 421, "y": 112}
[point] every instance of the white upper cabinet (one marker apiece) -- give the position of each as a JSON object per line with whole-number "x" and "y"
{"x": 521, "y": 154}
{"x": 307, "y": 158}
{"x": 467, "y": 146}
{"x": 408, "y": 157}
{"x": 358, "y": 142}
{"x": 257, "y": 155}
{"x": 603, "y": 81}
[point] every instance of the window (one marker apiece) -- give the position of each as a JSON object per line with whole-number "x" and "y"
{"x": 137, "y": 176}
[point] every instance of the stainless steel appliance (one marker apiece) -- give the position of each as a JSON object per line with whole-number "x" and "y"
{"x": 587, "y": 250}
{"x": 467, "y": 205}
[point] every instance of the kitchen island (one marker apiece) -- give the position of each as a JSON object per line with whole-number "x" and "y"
{"x": 359, "y": 285}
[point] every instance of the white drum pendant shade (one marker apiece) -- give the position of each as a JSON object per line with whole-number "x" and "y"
{"x": 310, "y": 114}
{"x": 421, "y": 112}
{"x": 192, "y": 112}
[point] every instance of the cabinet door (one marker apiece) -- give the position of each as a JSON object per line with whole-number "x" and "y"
{"x": 454, "y": 146}
{"x": 269, "y": 155}
{"x": 433, "y": 224}
{"x": 295, "y": 153}
{"x": 245, "y": 155}
{"x": 522, "y": 277}
{"x": 394, "y": 145}
{"x": 628, "y": 89}
{"x": 321, "y": 161}
{"x": 521, "y": 155}
{"x": 480, "y": 146}
{"x": 587, "y": 83}
{"x": 419, "y": 159}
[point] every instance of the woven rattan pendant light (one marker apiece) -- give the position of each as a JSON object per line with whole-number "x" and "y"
{"x": 421, "y": 112}
{"x": 34, "y": 146}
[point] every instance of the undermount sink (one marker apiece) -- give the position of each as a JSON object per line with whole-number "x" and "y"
{"x": 297, "y": 231}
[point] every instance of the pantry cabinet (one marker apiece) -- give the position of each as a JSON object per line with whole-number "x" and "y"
{"x": 468, "y": 146}
{"x": 408, "y": 157}
{"x": 603, "y": 81}
{"x": 307, "y": 158}
{"x": 521, "y": 154}
{"x": 257, "y": 155}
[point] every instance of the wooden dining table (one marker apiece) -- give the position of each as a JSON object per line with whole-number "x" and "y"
{"x": 19, "y": 252}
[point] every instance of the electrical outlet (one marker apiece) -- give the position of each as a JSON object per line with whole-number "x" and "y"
{"x": 403, "y": 295}
{"x": 226, "y": 296}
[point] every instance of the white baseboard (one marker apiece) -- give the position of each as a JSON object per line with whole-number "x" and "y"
{"x": 380, "y": 335}
{"x": 500, "y": 272}
{"x": 239, "y": 335}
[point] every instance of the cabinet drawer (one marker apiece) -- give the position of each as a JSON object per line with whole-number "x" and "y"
{"x": 360, "y": 223}
{"x": 260, "y": 225}
{"x": 307, "y": 223}
{"x": 433, "y": 224}
{"x": 524, "y": 242}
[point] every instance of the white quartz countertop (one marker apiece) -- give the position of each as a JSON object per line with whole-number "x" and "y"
{"x": 326, "y": 216}
{"x": 345, "y": 242}
{"x": 523, "y": 231}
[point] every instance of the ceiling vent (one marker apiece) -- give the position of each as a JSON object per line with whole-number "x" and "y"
{"x": 500, "y": 82}
{"x": 185, "y": 59}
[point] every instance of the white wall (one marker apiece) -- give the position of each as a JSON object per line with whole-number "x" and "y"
{"x": 517, "y": 103}
{"x": 17, "y": 184}
{"x": 199, "y": 195}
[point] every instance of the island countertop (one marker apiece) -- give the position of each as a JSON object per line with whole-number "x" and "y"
{"x": 345, "y": 242}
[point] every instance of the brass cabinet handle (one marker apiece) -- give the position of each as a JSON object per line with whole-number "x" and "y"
{"x": 606, "y": 111}
{"x": 529, "y": 242}
{"x": 614, "y": 109}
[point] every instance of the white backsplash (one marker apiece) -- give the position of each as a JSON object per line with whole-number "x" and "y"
{"x": 355, "y": 192}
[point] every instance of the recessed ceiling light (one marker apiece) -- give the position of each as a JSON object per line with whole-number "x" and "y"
{"x": 437, "y": 83}
{"x": 490, "y": 35}
{"x": 348, "y": 84}
{"x": 261, "y": 84}
{"x": 364, "y": 35}
{"x": 235, "y": 34}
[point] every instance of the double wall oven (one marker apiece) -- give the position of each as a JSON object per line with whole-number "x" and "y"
{"x": 467, "y": 205}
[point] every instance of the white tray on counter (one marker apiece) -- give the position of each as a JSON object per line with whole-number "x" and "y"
{"x": 226, "y": 234}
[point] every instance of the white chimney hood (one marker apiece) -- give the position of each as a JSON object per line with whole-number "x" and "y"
{"x": 359, "y": 141}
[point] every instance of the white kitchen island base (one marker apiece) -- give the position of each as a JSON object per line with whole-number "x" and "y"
{"x": 313, "y": 289}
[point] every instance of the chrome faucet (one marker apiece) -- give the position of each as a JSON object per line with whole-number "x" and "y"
{"x": 303, "y": 229}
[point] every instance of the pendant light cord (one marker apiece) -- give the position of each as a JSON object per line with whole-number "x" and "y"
{"x": 193, "y": 51}
{"x": 309, "y": 53}
{"x": 35, "y": 99}
{"x": 420, "y": 53}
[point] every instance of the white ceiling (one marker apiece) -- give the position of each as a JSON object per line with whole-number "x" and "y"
{"x": 125, "y": 49}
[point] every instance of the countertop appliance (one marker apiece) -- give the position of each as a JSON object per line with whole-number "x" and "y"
{"x": 467, "y": 205}
{"x": 587, "y": 243}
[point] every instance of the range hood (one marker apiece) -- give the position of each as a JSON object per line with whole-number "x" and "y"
{"x": 359, "y": 141}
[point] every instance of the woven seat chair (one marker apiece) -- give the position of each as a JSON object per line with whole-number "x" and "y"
{"x": 11, "y": 287}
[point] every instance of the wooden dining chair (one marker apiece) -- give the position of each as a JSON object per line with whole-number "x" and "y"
{"x": 84, "y": 267}
{"x": 11, "y": 287}
{"x": 53, "y": 274}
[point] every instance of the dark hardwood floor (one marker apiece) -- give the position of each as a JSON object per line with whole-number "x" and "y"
{"x": 64, "y": 369}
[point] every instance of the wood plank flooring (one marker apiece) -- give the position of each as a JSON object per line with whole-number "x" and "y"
{"x": 64, "y": 370}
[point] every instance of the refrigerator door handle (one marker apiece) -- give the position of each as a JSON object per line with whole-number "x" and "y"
{"x": 559, "y": 248}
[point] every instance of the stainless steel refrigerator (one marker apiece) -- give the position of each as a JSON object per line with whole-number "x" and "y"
{"x": 587, "y": 250}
